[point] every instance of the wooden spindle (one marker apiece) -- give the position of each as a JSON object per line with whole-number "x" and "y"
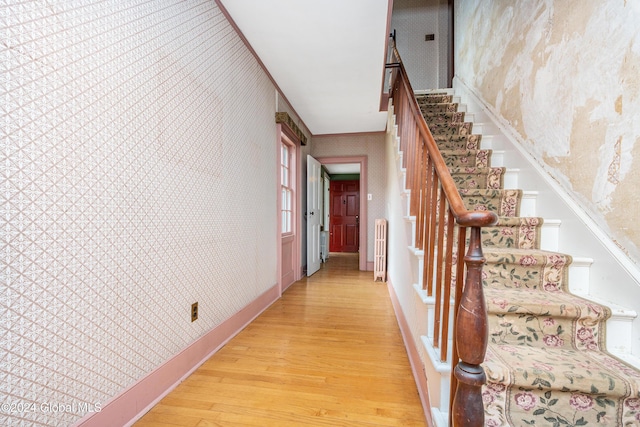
{"x": 414, "y": 138}
{"x": 433, "y": 203}
{"x": 427, "y": 230}
{"x": 462, "y": 237}
{"x": 421, "y": 205}
{"x": 437, "y": 336}
{"x": 448, "y": 266}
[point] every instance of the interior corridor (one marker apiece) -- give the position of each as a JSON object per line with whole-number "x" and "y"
{"x": 328, "y": 353}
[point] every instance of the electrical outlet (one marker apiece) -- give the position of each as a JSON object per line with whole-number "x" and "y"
{"x": 194, "y": 311}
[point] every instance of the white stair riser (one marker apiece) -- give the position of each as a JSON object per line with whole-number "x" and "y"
{"x": 497, "y": 158}
{"x": 528, "y": 203}
{"x": 493, "y": 142}
{"x": 619, "y": 329}
{"x": 579, "y": 276}
{"x": 511, "y": 179}
{"x": 550, "y": 235}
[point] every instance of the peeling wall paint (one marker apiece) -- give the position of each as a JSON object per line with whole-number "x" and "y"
{"x": 565, "y": 74}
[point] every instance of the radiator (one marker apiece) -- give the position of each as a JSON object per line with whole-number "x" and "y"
{"x": 324, "y": 246}
{"x": 380, "y": 255}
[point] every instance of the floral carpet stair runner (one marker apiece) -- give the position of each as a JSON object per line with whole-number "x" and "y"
{"x": 546, "y": 362}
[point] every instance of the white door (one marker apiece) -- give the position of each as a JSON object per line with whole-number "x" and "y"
{"x": 314, "y": 214}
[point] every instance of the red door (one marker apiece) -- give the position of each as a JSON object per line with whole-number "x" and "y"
{"x": 344, "y": 218}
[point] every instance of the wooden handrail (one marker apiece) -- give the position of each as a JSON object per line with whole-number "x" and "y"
{"x": 440, "y": 213}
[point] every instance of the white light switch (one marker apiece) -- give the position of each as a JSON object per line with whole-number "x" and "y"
{"x": 369, "y": 196}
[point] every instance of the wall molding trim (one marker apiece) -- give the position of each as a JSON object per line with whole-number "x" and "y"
{"x": 135, "y": 401}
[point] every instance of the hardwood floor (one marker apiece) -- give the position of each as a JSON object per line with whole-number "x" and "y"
{"x": 328, "y": 353}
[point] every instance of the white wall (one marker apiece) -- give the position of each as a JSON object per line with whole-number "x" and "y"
{"x": 138, "y": 175}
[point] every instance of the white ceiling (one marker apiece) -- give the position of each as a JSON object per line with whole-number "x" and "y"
{"x": 327, "y": 57}
{"x": 342, "y": 168}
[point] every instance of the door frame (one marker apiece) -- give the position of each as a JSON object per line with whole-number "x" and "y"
{"x": 362, "y": 160}
{"x": 284, "y": 131}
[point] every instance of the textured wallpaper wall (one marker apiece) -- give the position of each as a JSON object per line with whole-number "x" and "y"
{"x": 125, "y": 126}
{"x": 564, "y": 75}
{"x": 372, "y": 146}
{"x": 426, "y": 62}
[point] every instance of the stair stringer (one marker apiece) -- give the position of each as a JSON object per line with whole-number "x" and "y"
{"x": 614, "y": 279}
{"x": 403, "y": 271}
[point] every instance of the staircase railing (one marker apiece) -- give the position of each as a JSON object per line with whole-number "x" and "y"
{"x": 441, "y": 218}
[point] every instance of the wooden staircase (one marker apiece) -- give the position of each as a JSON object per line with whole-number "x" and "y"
{"x": 547, "y": 362}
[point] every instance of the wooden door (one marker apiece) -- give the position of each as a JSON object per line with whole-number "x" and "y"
{"x": 344, "y": 219}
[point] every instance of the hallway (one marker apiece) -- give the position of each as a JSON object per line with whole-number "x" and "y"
{"x": 328, "y": 353}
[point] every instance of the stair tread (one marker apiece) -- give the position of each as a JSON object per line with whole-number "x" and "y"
{"x": 495, "y": 252}
{"x": 542, "y": 303}
{"x": 473, "y": 169}
{"x": 559, "y": 386}
{"x": 502, "y": 202}
{"x": 511, "y": 364}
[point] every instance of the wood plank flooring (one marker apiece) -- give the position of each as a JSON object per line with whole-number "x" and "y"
{"x": 328, "y": 353}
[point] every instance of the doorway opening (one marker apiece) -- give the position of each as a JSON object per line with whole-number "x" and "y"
{"x": 359, "y": 166}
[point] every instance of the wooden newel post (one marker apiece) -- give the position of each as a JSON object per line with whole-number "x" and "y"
{"x": 471, "y": 340}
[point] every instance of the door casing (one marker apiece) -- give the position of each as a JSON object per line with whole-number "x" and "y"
{"x": 363, "y": 264}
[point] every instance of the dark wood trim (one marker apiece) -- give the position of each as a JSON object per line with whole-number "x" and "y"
{"x": 286, "y": 120}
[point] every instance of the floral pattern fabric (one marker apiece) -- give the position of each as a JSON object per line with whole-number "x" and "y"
{"x": 445, "y": 117}
{"x": 502, "y": 202}
{"x": 546, "y": 362}
{"x": 435, "y": 98}
{"x": 558, "y": 387}
{"x": 455, "y": 142}
{"x": 513, "y": 232}
{"x": 467, "y": 158}
{"x": 463, "y": 128}
{"x": 475, "y": 178}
